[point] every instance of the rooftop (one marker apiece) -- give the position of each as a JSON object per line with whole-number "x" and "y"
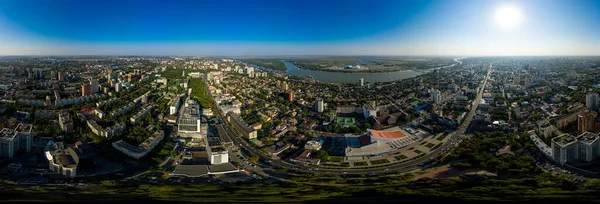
{"x": 7, "y": 134}
{"x": 587, "y": 138}
{"x": 564, "y": 140}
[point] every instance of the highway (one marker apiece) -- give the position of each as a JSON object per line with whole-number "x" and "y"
{"x": 454, "y": 139}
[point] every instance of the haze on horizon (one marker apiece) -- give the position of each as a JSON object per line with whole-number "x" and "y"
{"x": 300, "y": 27}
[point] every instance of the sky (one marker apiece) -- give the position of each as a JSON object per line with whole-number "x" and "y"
{"x": 300, "y": 27}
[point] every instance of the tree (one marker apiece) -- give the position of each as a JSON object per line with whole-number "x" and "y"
{"x": 323, "y": 155}
{"x": 253, "y": 159}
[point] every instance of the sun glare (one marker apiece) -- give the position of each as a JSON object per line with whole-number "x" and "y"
{"x": 508, "y": 16}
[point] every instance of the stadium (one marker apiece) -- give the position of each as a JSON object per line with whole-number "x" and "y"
{"x": 374, "y": 142}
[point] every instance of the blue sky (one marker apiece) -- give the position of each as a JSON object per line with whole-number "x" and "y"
{"x": 297, "y": 27}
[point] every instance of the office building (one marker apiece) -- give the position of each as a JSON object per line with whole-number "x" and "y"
{"x": 564, "y": 148}
{"x": 591, "y": 101}
{"x": 362, "y": 82}
{"x": 86, "y": 90}
{"x": 319, "y": 105}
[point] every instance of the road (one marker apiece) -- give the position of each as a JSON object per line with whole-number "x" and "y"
{"x": 454, "y": 139}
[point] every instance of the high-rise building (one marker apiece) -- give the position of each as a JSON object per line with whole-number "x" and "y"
{"x": 591, "y": 101}
{"x": 86, "y": 90}
{"x": 586, "y": 121}
{"x": 362, "y": 81}
{"x": 118, "y": 87}
{"x": 285, "y": 86}
{"x": 60, "y": 76}
{"x": 319, "y": 105}
{"x": 15, "y": 140}
{"x": 589, "y": 146}
{"x": 93, "y": 86}
{"x": 290, "y": 96}
{"x": 564, "y": 148}
{"x": 436, "y": 96}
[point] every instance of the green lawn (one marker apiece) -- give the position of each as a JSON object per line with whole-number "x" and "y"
{"x": 401, "y": 157}
{"x": 336, "y": 159}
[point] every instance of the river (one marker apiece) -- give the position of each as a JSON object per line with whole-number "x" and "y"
{"x": 343, "y": 77}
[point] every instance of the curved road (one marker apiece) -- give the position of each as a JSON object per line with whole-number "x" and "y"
{"x": 454, "y": 139}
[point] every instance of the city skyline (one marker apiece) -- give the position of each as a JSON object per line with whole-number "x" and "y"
{"x": 243, "y": 28}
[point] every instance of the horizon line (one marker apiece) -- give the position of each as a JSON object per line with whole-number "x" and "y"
{"x": 293, "y": 55}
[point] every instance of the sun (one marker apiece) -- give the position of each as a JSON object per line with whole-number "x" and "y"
{"x": 508, "y": 16}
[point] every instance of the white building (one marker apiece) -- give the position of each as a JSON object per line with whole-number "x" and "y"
{"x": 589, "y": 146}
{"x": 564, "y": 148}
{"x": 15, "y": 140}
{"x": 362, "y": 81}
{"x": 368, "y": 111}
{"x": 313, "y": 145}
{"x": 220, "y": 157}
{"x": 174, "y": 105}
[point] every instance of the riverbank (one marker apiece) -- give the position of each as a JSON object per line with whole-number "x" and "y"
{"x": 341, "y": 77}
{"x": 352, "y": 71}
